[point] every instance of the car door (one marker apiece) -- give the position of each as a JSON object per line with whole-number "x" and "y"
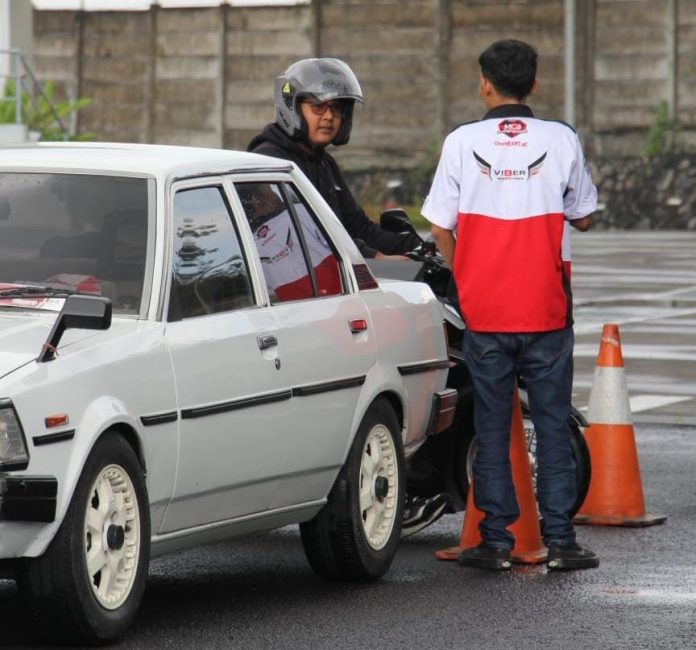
{"x": 325, "y": 340}
{"x": 233, "y": 393}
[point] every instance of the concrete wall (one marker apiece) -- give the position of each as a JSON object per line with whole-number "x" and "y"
{"x": 205, "y": 76}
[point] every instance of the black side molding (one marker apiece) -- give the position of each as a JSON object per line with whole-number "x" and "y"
{"x": 328, "y": 386}
{"x": 423, "y": 366}
{"x": 50, "y": 438}
{"x": 223, "y": 407}
{"x": 159, "y": 418}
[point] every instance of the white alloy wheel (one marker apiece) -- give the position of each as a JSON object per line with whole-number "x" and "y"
{"x": 530, "y": 438}
{"x": 378, "y": 486}
{"x": 112, "y": 536}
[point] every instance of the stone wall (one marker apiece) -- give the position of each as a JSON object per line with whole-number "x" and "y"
{"x": 642, "y": 193}
{"x": 655, "y": 193}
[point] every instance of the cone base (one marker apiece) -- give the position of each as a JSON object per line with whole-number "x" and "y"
{"x": 521, "y": 557}
{"x": 628, "y": 522}
{"x": 449, "y": 554}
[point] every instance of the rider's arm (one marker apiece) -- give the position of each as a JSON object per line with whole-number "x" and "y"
{"x": 580, "y": 196}
{"x": 360, "y": 226}
{"x": 444, "y": 239}
{"x": 583, "y": 224}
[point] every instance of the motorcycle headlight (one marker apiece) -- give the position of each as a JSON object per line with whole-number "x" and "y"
{"x": 13, "y": 446}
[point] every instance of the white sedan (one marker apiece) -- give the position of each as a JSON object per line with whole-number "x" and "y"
{"x": 192, "y": 348}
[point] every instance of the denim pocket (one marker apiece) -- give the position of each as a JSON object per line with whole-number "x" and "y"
{"x": 549, "y": 347}
{"x": 479, "y": 345}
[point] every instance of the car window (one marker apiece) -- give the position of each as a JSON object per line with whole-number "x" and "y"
{"x": 76, "y": 232}
{"x": 324, "y": 259}
{"x": 297, "y": 260}
{"x": 209, "y": 271}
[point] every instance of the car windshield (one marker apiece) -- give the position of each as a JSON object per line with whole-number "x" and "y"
{"x": 72, "y": 233}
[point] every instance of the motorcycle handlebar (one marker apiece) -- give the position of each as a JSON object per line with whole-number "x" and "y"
{"x": 427, "y": 254}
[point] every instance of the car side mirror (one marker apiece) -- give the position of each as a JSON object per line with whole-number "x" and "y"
{"x": 79, "y": 312}
{"x": 396, "y": 220}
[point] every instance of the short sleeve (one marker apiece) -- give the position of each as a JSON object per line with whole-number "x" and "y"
{"x": 441, "y": 206}
{"x": 580, "y": 198}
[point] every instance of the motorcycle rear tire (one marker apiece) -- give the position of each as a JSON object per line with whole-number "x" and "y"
{"x": 580, "y": 451}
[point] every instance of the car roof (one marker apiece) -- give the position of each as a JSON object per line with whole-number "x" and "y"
{"x": 161, "y": 161}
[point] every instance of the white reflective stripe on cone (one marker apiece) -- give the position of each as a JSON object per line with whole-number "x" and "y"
{"x": 609, "y": 397}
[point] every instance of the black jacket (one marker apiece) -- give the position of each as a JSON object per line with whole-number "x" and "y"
{"x": 322, "y": 170}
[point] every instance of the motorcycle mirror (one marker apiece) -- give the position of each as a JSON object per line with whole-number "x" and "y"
{"x": 396, "y": 220}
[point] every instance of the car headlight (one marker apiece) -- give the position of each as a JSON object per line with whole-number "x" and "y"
{"x": 13, "y": 446}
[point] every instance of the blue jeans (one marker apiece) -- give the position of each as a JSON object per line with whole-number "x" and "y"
{"x": 545, "y": 363}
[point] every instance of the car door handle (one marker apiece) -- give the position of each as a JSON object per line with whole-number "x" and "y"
{"x": 267, "y": 341}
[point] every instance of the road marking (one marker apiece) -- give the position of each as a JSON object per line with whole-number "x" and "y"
{"x": 654, "y": 595}
{"x": 640, "y": 403}
{"x": 650, "y": 352}
{"x": 583, "y": 326}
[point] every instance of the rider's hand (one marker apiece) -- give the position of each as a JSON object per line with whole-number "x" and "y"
{"x": 428, "y": 248}
{"x": 382, "y": 256}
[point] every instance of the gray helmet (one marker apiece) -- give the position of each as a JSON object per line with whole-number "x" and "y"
{"x": 324, "y": 79}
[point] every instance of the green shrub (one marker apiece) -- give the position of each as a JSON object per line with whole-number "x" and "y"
{"x": 661, "y": 131}
{"x": 44, "y": 115}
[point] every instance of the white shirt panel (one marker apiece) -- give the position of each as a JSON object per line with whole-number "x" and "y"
{"x": 540, "y": 171}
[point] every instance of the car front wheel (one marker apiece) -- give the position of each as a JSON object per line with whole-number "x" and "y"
{"x": 355, "y": 535}
{"x": 89, "y": 583}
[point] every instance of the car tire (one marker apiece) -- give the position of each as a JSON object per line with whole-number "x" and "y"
{"x": 355, "y": 535}
{"x": 87, "y": 586}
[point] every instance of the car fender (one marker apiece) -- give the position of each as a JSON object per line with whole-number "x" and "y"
{"x": 380, "y": 381}
{"x": 101, "y": 415}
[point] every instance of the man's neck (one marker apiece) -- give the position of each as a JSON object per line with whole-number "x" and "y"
{"x": 311, "y": 150}
{"x": 494, "y": 101}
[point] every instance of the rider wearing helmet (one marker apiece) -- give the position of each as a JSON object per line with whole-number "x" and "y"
{"x": 314, "y": 101}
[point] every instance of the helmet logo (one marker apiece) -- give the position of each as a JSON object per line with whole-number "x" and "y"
{"x": 286, "y": 88}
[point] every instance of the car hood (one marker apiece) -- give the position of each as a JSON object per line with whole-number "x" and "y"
{"x": 22, "y": 335}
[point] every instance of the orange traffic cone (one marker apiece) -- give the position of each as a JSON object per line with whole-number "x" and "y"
{"x": 615, "y": 496}
{"x": 528, "y": 547}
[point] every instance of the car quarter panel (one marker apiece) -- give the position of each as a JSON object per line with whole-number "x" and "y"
{"x": 407, "y": 324}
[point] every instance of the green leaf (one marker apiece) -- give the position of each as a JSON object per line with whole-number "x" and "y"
{"x": 42, "y": 113}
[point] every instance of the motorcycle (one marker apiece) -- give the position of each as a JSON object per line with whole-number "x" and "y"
{"x": 444, "y": 462}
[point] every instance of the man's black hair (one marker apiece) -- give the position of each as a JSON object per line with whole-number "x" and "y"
{"x": 511, "y": 67}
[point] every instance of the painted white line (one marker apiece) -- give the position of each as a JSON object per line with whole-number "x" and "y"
{"x": 682, "y": 353}
{"x": 670, "y": 596}
{"x": 647, "y": 402}
{"x": 642, "y": 403}
{"x": 589, "y": 328}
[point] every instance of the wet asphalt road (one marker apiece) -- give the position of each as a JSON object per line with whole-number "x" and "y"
{"x": 259, "y": 592}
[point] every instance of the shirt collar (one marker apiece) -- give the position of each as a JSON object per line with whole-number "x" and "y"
{"x": 509, "y": 110}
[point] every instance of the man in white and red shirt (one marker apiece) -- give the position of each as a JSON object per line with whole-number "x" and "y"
{"x": 504, "y": 191}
